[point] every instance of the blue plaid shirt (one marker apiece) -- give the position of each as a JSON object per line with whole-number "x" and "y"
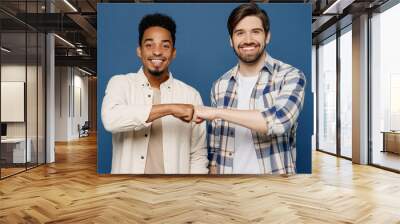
{"x": 278, "y": 95}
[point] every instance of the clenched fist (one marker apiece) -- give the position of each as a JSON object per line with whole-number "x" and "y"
{"x": 183, "y": 112}
{"x": 204, "y": 113}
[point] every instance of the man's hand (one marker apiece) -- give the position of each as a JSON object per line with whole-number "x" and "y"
{"x": 183, "y": 112}
{"x": 212, "y": 170}
{"x": 204, "y": 113}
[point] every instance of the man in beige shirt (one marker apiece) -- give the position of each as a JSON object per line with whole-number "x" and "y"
{"x": 149, "y": 113}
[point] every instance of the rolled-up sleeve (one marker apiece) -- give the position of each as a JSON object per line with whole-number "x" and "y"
{"x": 116, "y": 114}
{"x": 286, "y": 106}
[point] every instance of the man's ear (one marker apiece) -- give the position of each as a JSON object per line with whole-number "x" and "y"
{"x": 139, "y": 52}
{"x": 268, "y": 39}
{"x": 174, "y": 53}
{"x": 230, "y": 41}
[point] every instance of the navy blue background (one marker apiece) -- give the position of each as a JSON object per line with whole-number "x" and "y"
{"x": 203, "y": 54}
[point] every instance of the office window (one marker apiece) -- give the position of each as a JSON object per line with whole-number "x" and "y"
{"x": 346, "y": 92}
{"x": 327, "y": 95}
{"x": 385, "y": 88}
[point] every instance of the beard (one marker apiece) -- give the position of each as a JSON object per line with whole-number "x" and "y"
{"x": 155, "y": 72}
{"x": 250, "y": 59}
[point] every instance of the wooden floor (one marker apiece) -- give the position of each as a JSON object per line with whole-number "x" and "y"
{"x": 9, "y": 171}
{"x": 70, "y": 191}
{"x": 5, "y": 172}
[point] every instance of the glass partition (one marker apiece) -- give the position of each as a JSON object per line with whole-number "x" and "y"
{"x": 13, "y": 109}
{"x": 22, "y": 88}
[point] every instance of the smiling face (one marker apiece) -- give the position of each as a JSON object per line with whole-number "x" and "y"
{"x": 249, "y": 39}
{"x": 156, "y": 51}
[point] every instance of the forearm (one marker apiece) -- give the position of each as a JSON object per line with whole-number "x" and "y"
{"x": 251, "y": 119}
{"x": 159, "y": 111}
{"x": 121, "y": 118}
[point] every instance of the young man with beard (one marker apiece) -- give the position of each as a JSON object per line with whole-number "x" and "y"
{"x": 255, "y": 105}
{"x": 149, "y": 113}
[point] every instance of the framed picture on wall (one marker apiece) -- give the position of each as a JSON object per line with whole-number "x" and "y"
{"x": 166, "y": 69}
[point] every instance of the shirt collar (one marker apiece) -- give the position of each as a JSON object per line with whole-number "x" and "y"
{"x": 269, "y": 63}
{"x": 144, "y": 82}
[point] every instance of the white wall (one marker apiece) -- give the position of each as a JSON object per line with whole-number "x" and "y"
{"x": 71, "y": 93}
{"x": 61, "y": 103}
{"x": 79, "y": 112}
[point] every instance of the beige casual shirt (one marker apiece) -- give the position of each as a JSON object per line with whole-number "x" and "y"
{"x": 126, "y": 107}
{"x": 155, "y": 160}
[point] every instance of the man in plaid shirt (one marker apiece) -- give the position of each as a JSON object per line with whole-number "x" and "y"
{"x": 255, "y": 105}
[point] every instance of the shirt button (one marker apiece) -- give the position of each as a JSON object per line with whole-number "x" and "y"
{"x": 231, "y": 133}
{"x": 145, "y": 135}
{"x": 149, "y": 95}
{"x": 230, "y": 154}
{"x": 142, "y": 157}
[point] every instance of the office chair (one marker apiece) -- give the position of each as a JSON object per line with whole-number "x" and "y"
{"x": 84, "y": 130}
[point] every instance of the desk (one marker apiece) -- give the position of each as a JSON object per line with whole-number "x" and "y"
{"x": 16, "y": 147}
{"x": 391, "y": 141}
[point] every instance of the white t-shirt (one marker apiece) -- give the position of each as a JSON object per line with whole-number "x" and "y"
{"x": 245, "y": 158}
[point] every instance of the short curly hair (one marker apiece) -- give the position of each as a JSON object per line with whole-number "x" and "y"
{"x": 157, "y": 19}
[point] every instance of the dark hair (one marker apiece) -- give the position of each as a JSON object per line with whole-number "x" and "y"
{"x": 160, "y": 20}
{"x": 247, "y": 9}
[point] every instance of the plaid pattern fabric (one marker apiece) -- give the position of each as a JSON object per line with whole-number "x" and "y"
{"x": 278, "y": 95}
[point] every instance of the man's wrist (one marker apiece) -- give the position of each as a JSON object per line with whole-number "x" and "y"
{"x": 217, "y": 113}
